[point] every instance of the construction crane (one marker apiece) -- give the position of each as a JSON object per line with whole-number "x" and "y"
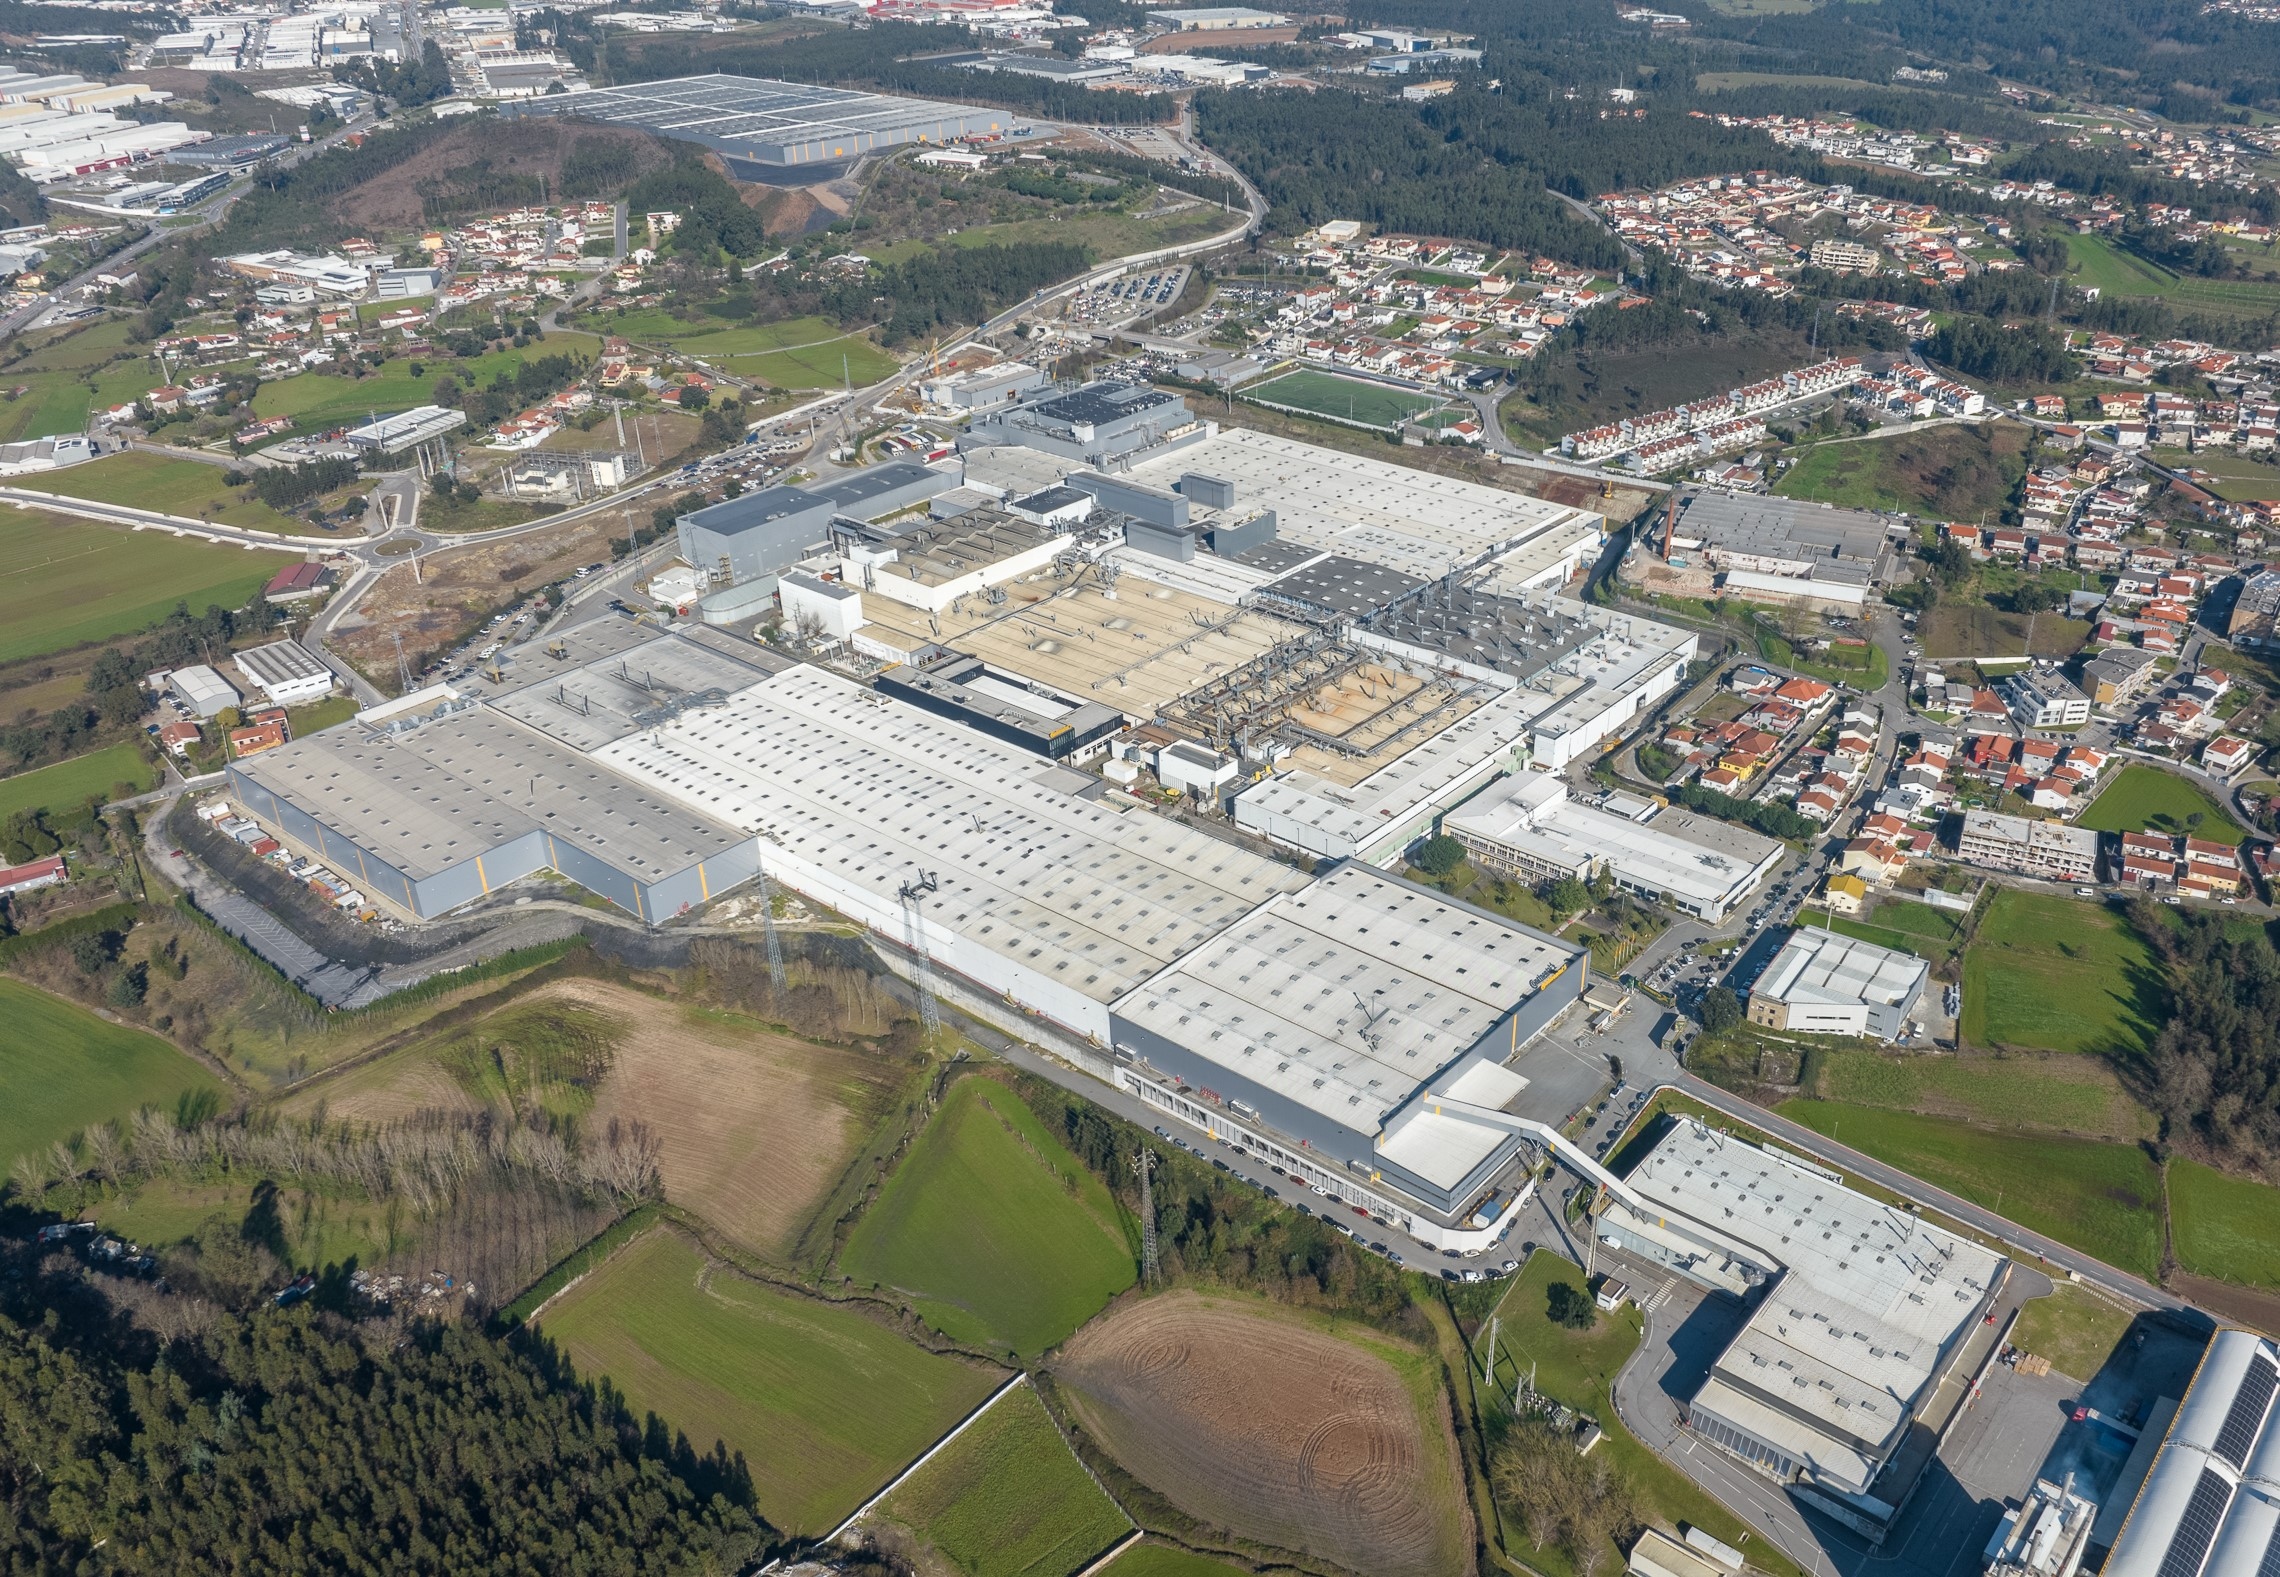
{"x": 912, "y": 894}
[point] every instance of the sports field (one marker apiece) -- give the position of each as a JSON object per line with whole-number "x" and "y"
{"x": 2054, "y": 974}
{"x": 189, "y": 488}
{"x": 2144, "y": 797}
{"x": 997, "y": 1235}
{"x": 2078, "y": 1095}
{"x": 65, "y": 581}
{"x": 2226, "y": 1227}
{"x": 1008, "y": 1498}
{"x": 2100, "y": 1197}
{"x": 70, "y": 783}
{"x": 825, "y": 1404}
{"x": 64, "y": 1069}
{"x": 1364, "y": 404}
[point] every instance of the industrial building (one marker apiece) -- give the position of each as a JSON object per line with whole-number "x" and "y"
{"x": 773, "y": 131}
{"x": 1866, "y": 1328}
{"x": 285, "y": 671}
{"x": 1327, "y": 1021}
{"x": 415, "y": 429}
{"x": 447, "y": 794}
{"x": 2210, "y": 1506}
{"x": 202, "y": 690}
{"x": 1528, "y": 825}
{"x": 759, "y": 535}
{"x": 1778, "y": 547}
{"x": 1096, "y": 424}
{"x": 1821, "y": 983}
{"x": 1005, "y": 706}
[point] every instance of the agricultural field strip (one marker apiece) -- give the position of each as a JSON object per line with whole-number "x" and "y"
{"x": 1019, "y": 1378}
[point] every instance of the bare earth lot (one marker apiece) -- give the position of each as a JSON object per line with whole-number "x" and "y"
{"x": 1271, "y": 1427}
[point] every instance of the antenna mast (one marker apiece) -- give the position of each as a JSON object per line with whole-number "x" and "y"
{"x": 914, "y": 918}
{"x": 1144, "y": 1168}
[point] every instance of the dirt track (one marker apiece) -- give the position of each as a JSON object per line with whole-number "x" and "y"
{"x": 1275, "y": 1430}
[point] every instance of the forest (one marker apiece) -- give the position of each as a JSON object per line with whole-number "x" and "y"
{"x": 2214, "y": 1074}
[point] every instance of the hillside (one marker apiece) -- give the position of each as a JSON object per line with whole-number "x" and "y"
{"x": 488, "y": 163}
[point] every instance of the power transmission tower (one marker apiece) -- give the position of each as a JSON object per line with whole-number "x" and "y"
{"x": 1488, "y": 1356}
{"x": 914, "y": 918}
{"x": 403, "y": 668}
{"x": 768, "y": 924}
{"x": 1144, "y": 1168}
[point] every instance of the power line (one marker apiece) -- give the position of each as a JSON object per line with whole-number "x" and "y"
{"x": 1144, "y": 1168}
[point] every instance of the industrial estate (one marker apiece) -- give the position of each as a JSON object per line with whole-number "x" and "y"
{"x": 922, "y": 788}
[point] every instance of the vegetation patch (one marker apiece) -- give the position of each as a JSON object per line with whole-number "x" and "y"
{"x": 1953, "y": 473}
{"x": 1008, "y": 1498}
{"x": 2077, "y": 1094}
{"x": 66, "y": 1069}
{"x": 2100, "y": 1197}
{"x": 72, "y": 783}
{"x": 2142, "y": 798}
{"x": 188, "y": 488}
{"x": 65, "y": 582}
{"x": 2223, "y": 1226}
{"x": 824, "y": 1404}
{"x": 1150, "y": 1559}
{"x": 2054, "y": 974}
{"x": 2076, "y": 1330}
{"x": 992, "y": 1229}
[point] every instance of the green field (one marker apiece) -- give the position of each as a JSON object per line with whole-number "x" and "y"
{"x": 2234, "y": 477}
{"x": 1579, "y": 1368}
{"x": 2077, "y": 1094}
{"x": 1008, "y": 1498}
{"x": 65, "y": 378}
{"x": 2099, "y": 262}
{"x": 797, "y": 353}
{"x": 2076, "y": 1330}
{"x": 189, "y": 488}
{"x": 62, "y": 1069}
{"x": 63, "y": 582}
{"x": 2226, "y": 1227}
{"x": 2102, "y": 1198}
{"x": 1956, "y": 472}
{"x": 825, "y": 1404}
{"x": 1109, "y": 234}
{"x": 2054, "y": 974}
{"x": 1343, "y": 399}
{"x": 994, "y": 1231}
{"x": 72, "y": 782}
{"x": 319, "y": 401}
{"x": 2141, "y": 797}
{"x": 1150, "y": 1559}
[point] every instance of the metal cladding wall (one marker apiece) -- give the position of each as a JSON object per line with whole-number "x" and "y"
{"x": 350, "y": 858}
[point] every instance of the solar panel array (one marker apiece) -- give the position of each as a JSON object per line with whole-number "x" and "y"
{"x": 2197, "y": 1529}
{"x": 2246, "y": 1415}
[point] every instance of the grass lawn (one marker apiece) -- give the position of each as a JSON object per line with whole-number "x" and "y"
{"x": 2142, "y": 796}
{"x": 1150, "y": 1559}
{"x": 825, "y": 1404}
{"x": 2099, "y": 1197}
{"x": 1956, "y": 473}
{"x": 993, "y": 1230}
{"x": 320, "y": 401}
{"x": 318, "y": 1230}
{"x": 1346, "y": 399}
{"x": 2226, "y": 1227}
{"x": 2078, "y": 1094}
{"x": 65, "y": 1069}
{"x": 1865, "y": 667}
{"x": 189, "y": 488}
{"x": 1963, "y": 629}
{"x": 1008, "y": 1498}
{"x": 1109, "y": 234}
{"x": 306, "y": 720}
{"x": 1924, "y": 947}
{"x": 75, "y": 780}
{"x": 2076, "y": 1330}
{"x": 798, "y": 353}
{"x": 2234, "y": 477}
{"x": 63, "y": 582}
{"x": 1579, "y": 1368}
{"x": 2055, "y": 974}
{"x": 2098, "y": 261}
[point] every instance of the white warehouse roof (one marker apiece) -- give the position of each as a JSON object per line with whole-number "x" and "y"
{"x": 1824, "y": 969}
{"x": 2211, "y": 1505}
{"x": 863, "y": 793}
